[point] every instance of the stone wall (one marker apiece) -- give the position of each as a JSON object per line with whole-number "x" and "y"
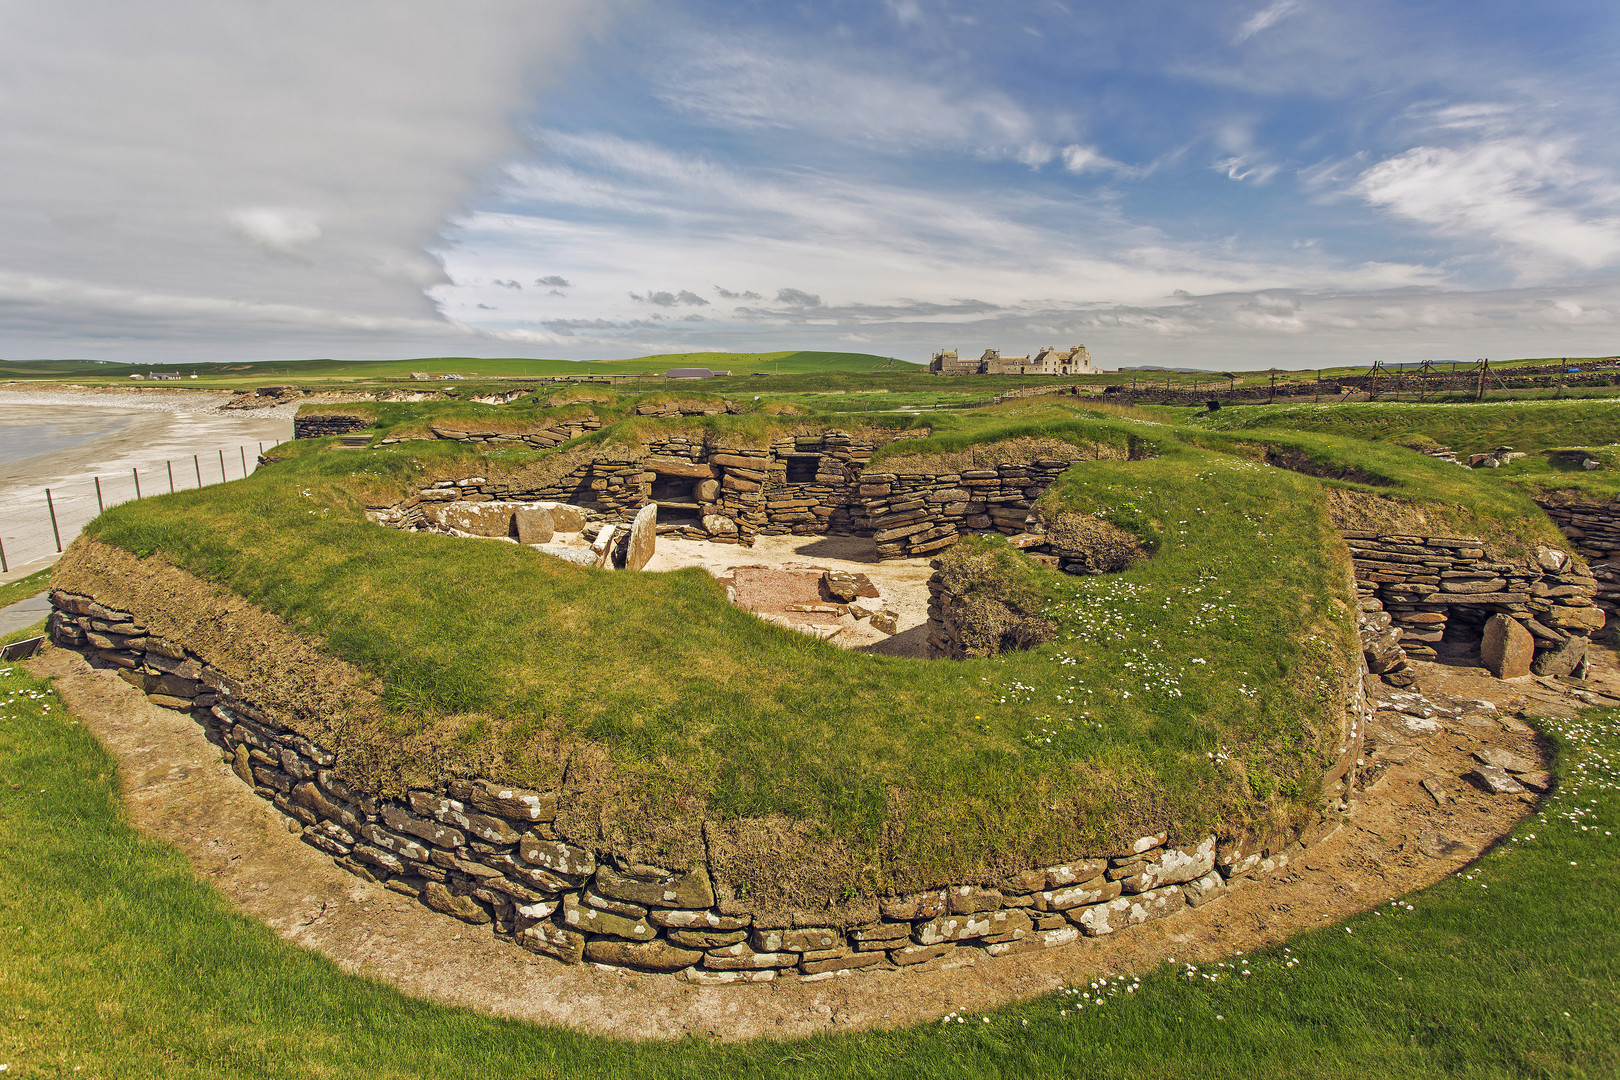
{"x": 1593, "y": 529}
{"x": 1448, "y": 589}
{"x": 489, "y": 855}
{"x": 319, "y": 427}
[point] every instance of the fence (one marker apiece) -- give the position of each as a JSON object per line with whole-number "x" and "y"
{"x": 37, "y": 526}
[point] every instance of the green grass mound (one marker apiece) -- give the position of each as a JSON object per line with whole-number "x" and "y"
{"x": 1201, "y": 689}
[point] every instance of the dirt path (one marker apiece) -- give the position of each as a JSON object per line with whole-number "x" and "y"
{"x": 1399, "y": 838}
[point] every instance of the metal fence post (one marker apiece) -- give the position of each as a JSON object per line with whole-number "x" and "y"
{"x": 222, "y": 465}
{"x": 170, "y": 464}
{"x": 243, "y": 451}
{"x": 198, "y": 465}
{"x": 51, "y": 505}
{"x": 100, "y": 507}
{"x": 4, "y": 568}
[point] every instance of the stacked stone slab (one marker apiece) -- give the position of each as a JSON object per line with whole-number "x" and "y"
{"x": 1593, "y": 528}
{"x": 916, "y": 514}
{"x": 320, "y": 427}
{"x": 490, "y": 855}
{"x": 1438, "y": 588}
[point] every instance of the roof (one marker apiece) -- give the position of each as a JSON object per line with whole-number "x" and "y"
{"x": 693, "y": 373}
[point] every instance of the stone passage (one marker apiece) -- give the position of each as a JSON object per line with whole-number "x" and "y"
{"x": 489, "y": 855}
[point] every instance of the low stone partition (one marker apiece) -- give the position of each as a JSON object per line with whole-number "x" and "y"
{"x": 1532, "y": 616}
{"x": 492, "y": 855}
{"x": 916, "y": 514}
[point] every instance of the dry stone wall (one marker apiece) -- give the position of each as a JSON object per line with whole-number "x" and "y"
{"x": 319, "y": 427}
{"x": 490, "y": 855}
{"x": 1593, "y": 529}
{"x": 1448, "y": 589}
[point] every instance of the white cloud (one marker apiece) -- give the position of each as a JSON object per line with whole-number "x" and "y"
{"x": 279, "y": 232}
{"x": 761, "y": 85}
{"x": 164, "y": 148}
{"x": 1520, "y": 191}
{"x": 1265, "y": 19}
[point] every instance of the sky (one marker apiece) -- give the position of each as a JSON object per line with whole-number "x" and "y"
{"x": 1289, "y": 183}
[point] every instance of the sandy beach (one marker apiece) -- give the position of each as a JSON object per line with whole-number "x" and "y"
{"x": 111, "y": 434}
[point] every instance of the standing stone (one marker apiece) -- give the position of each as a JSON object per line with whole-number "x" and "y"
{"x": 1507, "y": 648}
{"x": 534, "y": 525}
{"x": 602, "y": 547}
{"x": 643, "y": 537}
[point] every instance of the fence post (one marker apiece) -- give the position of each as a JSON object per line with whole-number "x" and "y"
{"x": 243, "y": 451}
{"x": 198, "y": 465}
{"x": 51, "y": 505}
{"x": 4, "y": 568}
{"x": 137, "y": 474}
{"x": 99, "y": 506}
{"x": 170, "y": 464}
{"x": 222, "y": 465}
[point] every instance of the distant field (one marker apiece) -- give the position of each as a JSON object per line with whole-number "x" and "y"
{"x": 471, "y": 368}
{"x": 801, "y": 372}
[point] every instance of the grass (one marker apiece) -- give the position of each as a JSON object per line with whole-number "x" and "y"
{"x": 1469, "y": 428}
{"x": 23, "y": 588}
{"x": 116, "y": 961}
{"x": 924, "y": 770}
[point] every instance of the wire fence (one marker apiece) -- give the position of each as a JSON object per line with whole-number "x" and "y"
{"x": 38, "y": 526}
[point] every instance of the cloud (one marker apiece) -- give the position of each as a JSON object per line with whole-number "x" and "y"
{"x": 556, "y": 281}
{"x": 669, "y": 299}
{"x": 206, "y": 134}
{"x": 727, "y": 294}
{"x": 278, "y": 232}
{"x": 510, "y": 285}
{"x": 1246, "y": 167}
{"x": 1265, "y": 19}
{"x": 797, "y": 298}
{"x": 1522, "y": 191}
{"x": 760, "y": 85}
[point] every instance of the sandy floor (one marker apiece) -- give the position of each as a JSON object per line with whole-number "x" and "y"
{"x": 1397, "y": 838}
{"x": 152, "y": 431}
{"x": 902, "y": 584}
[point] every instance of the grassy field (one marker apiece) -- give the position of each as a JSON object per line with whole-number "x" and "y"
{"x": 1526, "y": 426}
{"x": 116, "y": 961}
{"x": 23, "y": 588}
{"x": 477, "y": 369}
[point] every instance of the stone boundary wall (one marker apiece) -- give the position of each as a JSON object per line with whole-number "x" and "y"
{"x": 489, "y": 856}
{"x": 1593, "y": 528}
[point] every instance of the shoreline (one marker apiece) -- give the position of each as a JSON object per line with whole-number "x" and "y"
{"x": 154, "y": 432}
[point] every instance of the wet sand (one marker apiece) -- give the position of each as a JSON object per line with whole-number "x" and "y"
{"x": 127, "y": 430}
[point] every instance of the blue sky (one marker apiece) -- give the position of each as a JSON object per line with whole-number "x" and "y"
{"x": 1217, "y": 184}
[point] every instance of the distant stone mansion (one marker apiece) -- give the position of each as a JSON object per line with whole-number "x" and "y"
{"x": 1048, "y": 361}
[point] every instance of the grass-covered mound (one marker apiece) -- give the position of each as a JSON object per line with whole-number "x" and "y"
{"x": 1201, "y": 689}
